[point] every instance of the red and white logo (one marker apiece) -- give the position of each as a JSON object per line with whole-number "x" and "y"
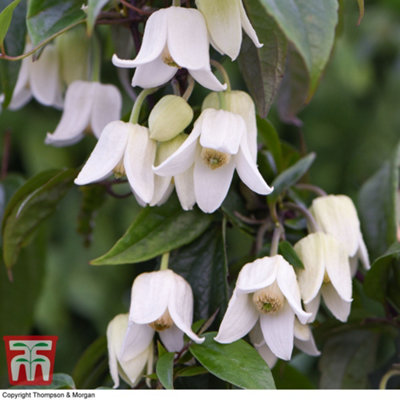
{"x": 30, "y": 359}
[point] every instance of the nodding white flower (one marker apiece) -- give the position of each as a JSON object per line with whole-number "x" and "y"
{"x": 326, "y": 273}
{"x": 217, "y": 145}
{"x": 225, "y": 20}
{"x": 87, "y": 105}
{"x": 337, "y": 215}
{"x": 303, "y": 340}
{"x": 125, "y": 149}
{"x": 174, "y": 37}
{"x": 266, "y": 291}
{"x": 39, "y": 79}
{"x": 162, "y": 302}
{"x": 130, "y": 370}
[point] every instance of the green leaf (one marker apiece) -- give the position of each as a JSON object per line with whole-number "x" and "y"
{"x": 289, "y": 254}
{"x": 237, "y": 363}
{"x": 190, "y": 371}
{"x": 60, "y": 381}
{"x": 165, "y": 370}
{"x": 5, "y": 19}
{"x": 94, "y": 8}
{"x": 288, "y": 377}
{"x": 290, "y": 176}
{"x": 377, "y": 202}
{"x": 263, "y": 68}
{"x": 156, "y": 230}
{"x": 92, "y": 368}
{"x": 47, "y": 17}
{"x": 270, "y": 138}
{"x": 32, "y": 204}
{"x": 203, "y": 265}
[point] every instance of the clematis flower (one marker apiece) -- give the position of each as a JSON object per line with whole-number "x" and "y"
{"x": 216, "y": 147}
{"x": 87, "y": 105}
{"x": 266, "y": 291}
{"x": 326, "y": 273}
{"x": 303, "y": 340}
{"x": 130, "y": 370}
{"x": 174, "y": 37}
{"x": 123, "y": 148}
{"x": 162, "y": 302}
{"x": 225, "y": 20}
{"x": 337, "y": 215}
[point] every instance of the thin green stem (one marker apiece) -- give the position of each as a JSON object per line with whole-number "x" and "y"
{"x": 164, "y": 261}
{"x": 311, "y": 222}
{"x": 312, "y": 188}
{"x": 276, "y": 236}
{"x": 95, "y": 59}
{"x": 222, "y": 101}
{"x": 189, "y": 88}
{"x": 134, "y": 118}
{"x": 223, "y": 72}
{"x": 387, "y": 376}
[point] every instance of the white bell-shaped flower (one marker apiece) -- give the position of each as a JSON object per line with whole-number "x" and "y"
{"x": 130, "y": 370}
{"x": 225, "y": 20}
{"x": 125, "y": 149}
{"x": 337, "y": 215}
{"x": 87, "y": 105}
{"x": 174, "y": 37}
{"x": 266, "y": 291}
{"x": 216, "y": 147}
{"x": 326, "y": 273}
{"x": 161, "y": 301}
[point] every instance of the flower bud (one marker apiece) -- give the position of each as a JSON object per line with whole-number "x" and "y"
{"x": 169, "y": 117}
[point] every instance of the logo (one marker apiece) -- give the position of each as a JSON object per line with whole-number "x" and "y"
{"x": 30, "y": 359}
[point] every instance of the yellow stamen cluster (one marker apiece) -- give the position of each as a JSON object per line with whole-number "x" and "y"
{"x": 214, "y": 158}
{"x": 167, "y": 59}
{"x": 269, "y": 299}
{"x": 162, "y": 323}
{"x": 119, "y": 170}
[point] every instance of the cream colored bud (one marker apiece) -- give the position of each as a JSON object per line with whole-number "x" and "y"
{"x": 165, "y": 149}
{"x": 214, "y": 158}
{"x": 162, "y": 323}
{"x": 169, "y": 117}
{"x": 269, "y": 299}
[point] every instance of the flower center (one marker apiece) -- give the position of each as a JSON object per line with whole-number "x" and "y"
{"x": 326, "y": 278}
{"x": 162, "y": 323}
{"x": 269, "y": 299}
{"x": 167, "y": 58}
{"x": 119, "y": 170}
{"x": 214, "y": 158}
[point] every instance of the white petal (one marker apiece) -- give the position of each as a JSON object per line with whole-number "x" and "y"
{"x": 363, "y": 254}
{"x": 44, "y": 77}
{"x": 248, "y": 28}
{"x": 277, "y": 329}
{"x": 180, "y": 307}
{"x": 248, "y": 172}
{"x": 257, "y": 275}
{"x": 304, "y": 340}
{"x": 313, "y": 307}
{"x": 153, "y": 74}
{"x": 222, "y": 130}
{"x": 257, "y": 339}
{"x": 107, "y": 154}
{"x": 150, "y": 296}
{"x": 338, "y": 307}
{"x": 154, "y": 41}
{"x": 20, "y": 98}
{"x": 184, "y": 185}
{"x": 239, "y": 319}
{"x": 287, "y": 282}
{"x": 136, "y": 341}
{"x": 138, "y": 162}
{"x": 172, "y": 338}
{"x": 187, "y": 38}
{"x": 301, "y": 331}
{"x": 22, "y": 92}
{"x": 76, "y": 114}
{"x": 207, "y": 79}
{"x": 107, "y": 104}
{"x": 162, "y": 186}
{"x": 211, "y": 185}
{"x": 134, "y": 368}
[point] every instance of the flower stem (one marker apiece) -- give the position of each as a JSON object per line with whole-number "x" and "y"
{"x": 95, "y": 59}
{"x": 223, "y": 72}
{"x": 387, "y": 376}
{"x": 164, "y": 261}
{"x": 312, "y": 223}
{"x": 275, "y": 239}
{"x": 312, "y": 188}
{"x": 189, "y": 88}
{"x": 176, "y": 3}
{"x": 134, "y": 118}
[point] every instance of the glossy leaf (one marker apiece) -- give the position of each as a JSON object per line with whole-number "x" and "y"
{"x": 5, "y": 19}
{"x": 270, "y": 138}
{"x": 237, "y": 363}
{"x": 94, "y": 8}
{"x": 31, "y": 205}
{"x": 47, "y": 17}
{"x": 289, "y": 254}
{"x": 263, "y": 68}
{"x": 165, "y": 370}
{"x": 190, "y": 371}
{"x": 288, "y": 377}
{"x": 60, "y": 381}
{"x": 156, "y": 230}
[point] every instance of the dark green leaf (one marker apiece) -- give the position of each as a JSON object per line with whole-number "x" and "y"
{"x": 156, "y": 230}
{"x": 32, "y": 204}
{"x": 288, "y": 377}
{"x": 5, "y": 19}
{"x": 377, "y": 203}
{"x": 290, "y": 176}
{"x": 190, "y": 371}
{"x": 270, "y": 138}
{"x": 92, "y": 368}
{"x": 288, "y": 253}
{"x": 94, "y": 8}
{"x": 203, "y": 265}
{"x": 263, "y": 68}
{"x": 60, "y": 381}
{"x": 237, "y": 363}
{"x": 47, "y": 17}
{"x": 165, "y": 370}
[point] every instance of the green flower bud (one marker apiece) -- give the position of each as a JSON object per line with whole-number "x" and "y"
{"x": 169, "y": 117}
{"x": 165, "y": 149}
